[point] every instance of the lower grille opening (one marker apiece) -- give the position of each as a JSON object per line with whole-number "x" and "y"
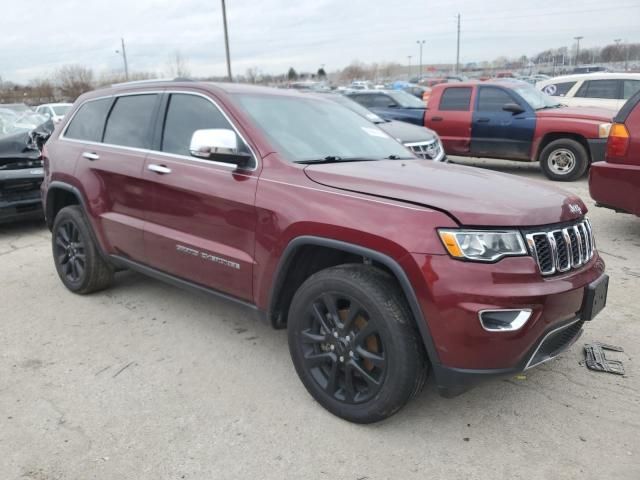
{"x": 555, "y": 343}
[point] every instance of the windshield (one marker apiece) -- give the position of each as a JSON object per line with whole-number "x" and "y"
{"x": 406, "y": 100}
{"x": 535, "y": 98}
{"x": 307, "y": 129}
{"x": 61, "y": 110}
{"x": 356, "y": 107}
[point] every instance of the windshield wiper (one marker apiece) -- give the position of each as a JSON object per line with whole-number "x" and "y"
{"x": 336, "y": 159}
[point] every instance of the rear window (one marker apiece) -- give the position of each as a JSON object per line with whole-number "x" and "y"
{"x": 599, "y": 89}
{"x": 456, "y": 99}
{"x": 88, "y": 123}
{"x": 129, "y": 121}
{"x": 630, "y": 87}
{"x": 558, "y": 89}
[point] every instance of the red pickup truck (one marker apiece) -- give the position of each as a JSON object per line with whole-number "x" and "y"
{"x": 512, "y": 120}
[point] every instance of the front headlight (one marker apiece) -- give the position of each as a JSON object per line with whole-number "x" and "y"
{"x": 603, "y": 130}
{"x": 483, "y": 245}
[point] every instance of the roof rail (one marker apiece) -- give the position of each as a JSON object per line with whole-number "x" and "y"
{"x": 153, "y": 80}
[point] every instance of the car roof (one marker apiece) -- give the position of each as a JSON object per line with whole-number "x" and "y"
{"x": 592, "y": 76}
{"x": 59, "y": 104}
{"x": 214, "y": 87}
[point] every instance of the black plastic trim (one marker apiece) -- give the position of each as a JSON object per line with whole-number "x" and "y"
{"x": 124, "y": 262}
{"x": 396, "y": 269}
{"x": 597, "y": 149}
{"x": 627, "y": 108}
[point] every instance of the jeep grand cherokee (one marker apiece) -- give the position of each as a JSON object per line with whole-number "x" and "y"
{"x": 382, "y": 266}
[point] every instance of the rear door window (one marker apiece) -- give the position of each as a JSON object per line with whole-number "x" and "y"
{"x": 88, "y": 123}
{"x": 456, "y": 99}
{"x": 609, "y": 89}
{"x": 558, "y": 89}
{"x": 129, "y": 122}
{"x": 629, "y": 89}
{"x": 491, "y": 99}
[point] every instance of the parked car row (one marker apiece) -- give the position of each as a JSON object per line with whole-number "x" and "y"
{"x": 607, "y": 90}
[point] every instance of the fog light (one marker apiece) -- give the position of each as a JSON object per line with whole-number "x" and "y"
{"x": 503, "y": 320}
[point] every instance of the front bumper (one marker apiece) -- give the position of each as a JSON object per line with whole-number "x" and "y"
{"x": 597, "y": 149}
{"x": 454, "y": 293}
{"x": 616, "y": 186}
{"x": 20, "y": 195}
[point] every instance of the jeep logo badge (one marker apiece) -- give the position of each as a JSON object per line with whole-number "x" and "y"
{"x": 573, "y": 208}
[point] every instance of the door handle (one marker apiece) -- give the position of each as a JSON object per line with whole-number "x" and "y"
{"x": 436, "y": 119}
{"x": 161, "y": 169}
{"x": 483, "y": 120}
{"x": 91, "y": 156}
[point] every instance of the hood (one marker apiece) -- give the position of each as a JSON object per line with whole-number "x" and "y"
{"x": 407, "y": 132}
{"x": 473, "y": 196}
{"x": 585, "y": 113}
{"x": 22, "y": 149}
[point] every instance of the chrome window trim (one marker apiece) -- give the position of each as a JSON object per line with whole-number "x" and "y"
{"x": 529, "y": 365}
{"x": 231, "y": 166}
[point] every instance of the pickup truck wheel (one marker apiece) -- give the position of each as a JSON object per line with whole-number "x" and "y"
{"x": 79, "y": 265}
{"x": 564, "y": 160}
{"x": 354, "y": 343}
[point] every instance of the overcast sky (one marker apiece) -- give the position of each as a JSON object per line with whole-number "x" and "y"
{"x": 38, "y": 36}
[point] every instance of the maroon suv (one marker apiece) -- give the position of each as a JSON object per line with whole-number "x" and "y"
{"x": 382, "y": 266}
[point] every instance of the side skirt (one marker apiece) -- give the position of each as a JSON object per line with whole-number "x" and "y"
{"x": 122, "y": 262}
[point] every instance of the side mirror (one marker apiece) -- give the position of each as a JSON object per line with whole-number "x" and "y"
{"x": 513, "y": 108}
{"x": 218, "y": 144}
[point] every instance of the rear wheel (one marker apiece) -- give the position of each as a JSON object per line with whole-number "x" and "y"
{"x": 564, "y": 160}
{"x": 76, "y": 257}
{"x": 354, "y": 344}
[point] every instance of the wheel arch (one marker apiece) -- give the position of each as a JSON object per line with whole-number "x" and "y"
{"x": 60, "y": 195}
{"x": 285, "y": 283}
{"x": 553, "y": 136}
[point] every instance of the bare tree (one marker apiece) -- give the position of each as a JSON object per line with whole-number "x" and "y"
{"x": 42, "y": 90}
{"x": 74, "y": 80}
{"x": 253, "y": 75}
{"x": 355, "y": 71}
{"x": 177, "y": 66}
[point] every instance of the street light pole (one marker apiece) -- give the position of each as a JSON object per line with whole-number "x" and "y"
{"x": 409, "y": 74}
{"x": 226, "y": 40}
{"x": 123, "y": 52}
{"x": 420, "y": 43}
{"x": 577, "y": 39}
{"x": 458, "y": 48}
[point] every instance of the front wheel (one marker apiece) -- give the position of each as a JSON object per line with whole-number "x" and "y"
{"x": 564, "y": 160}
{"x": 354, "y": 344}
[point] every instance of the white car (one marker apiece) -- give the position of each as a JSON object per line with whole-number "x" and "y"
{"x": 55, "y": 111}
{"x": 608, "y": 90}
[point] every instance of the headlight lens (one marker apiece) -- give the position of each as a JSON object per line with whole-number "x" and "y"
{"x": 483, "y": 246}
{"x": 603, "y": 130}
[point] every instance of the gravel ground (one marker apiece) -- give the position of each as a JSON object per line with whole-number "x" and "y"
{"x": 145, "y": 381}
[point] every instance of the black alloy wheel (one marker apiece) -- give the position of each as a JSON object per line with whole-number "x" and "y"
{"x": 342, "y": 348}
{"x": 69, "y": 251}
{"x": 354, "y": 342}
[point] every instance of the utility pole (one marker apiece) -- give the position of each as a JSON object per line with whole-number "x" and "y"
{"x": 409, "y": 74}
{"x": 123, "y": 52}
{"x": 577, "y": 39}
{"x": 420, "y": 43}
{"x": 226, "y": 40}
{"x": 458, "y": 48}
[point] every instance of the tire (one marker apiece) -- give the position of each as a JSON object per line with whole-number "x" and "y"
{"x": 564, "y": 160}
{"x": 76, "y": 257}
{"x": 352, "y": 323}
